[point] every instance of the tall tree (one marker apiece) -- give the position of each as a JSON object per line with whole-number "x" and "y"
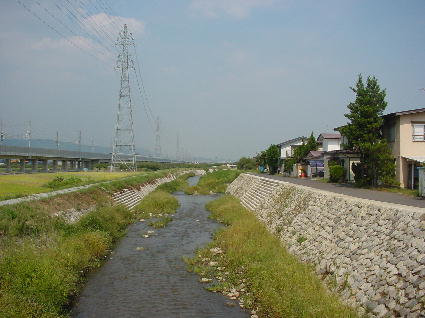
{"x": 302, "y": 151}
{"x": 272, "y": 158}
{"x": 364, "y": 134}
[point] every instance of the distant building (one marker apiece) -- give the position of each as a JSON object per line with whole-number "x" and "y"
{"x": 287, "y": 150}
{"x": 329, "y": 141}
{"x": 287, "y": 147}
{"x": 316, "y": 159}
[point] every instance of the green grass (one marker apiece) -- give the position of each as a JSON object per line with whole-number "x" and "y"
{"x": 404, "y": 191}
{"x": 247, "y": 258}
{"x": 214, "y": 182}
{"x": 162, "y": 222}
{"x": 179, "y": 184}
{"x": 44, "y": 260}
{"x": 157, "y": 203}
{"x": 39, "y": 277}
{"x": 14, "y": 186}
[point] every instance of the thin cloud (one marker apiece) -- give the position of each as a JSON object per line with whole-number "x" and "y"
{"x": 109, "y": 24}
{"x": 98, "y": 26}
{"x": 234, "y": 8}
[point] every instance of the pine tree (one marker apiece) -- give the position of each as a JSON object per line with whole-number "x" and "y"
{"x": 364, "y": 134}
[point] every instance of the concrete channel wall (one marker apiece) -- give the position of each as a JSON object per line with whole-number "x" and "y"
{"x": 372, "y": 253}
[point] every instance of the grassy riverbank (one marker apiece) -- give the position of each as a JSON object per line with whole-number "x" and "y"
{"x": 19, "y": 185}
{"x": 44, "y": 259}
{"x": 247, "y": 263}
{"x": 214, "y": 182}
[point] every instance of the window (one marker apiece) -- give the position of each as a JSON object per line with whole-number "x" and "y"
{"x": 418, "y": 132}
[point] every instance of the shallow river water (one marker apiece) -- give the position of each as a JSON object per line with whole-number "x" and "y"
{"x": 154, "y": 282}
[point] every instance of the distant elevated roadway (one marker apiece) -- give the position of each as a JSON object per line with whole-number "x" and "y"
{"x": 64, "y": 160}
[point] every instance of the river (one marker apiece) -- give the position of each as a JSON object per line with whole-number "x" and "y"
{"x": 147, "y": 277}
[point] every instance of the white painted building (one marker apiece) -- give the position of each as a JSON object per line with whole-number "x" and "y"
{"x": 287, "y": 147}
{"x": 329, "y": 142}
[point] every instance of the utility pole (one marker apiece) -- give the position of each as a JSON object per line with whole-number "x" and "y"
{"x": 28, "y": 137}
{"x": 57, "y": 141}
{"x": 2, "y": 133}
{"x": 79, "y": 143}
{"x": 178, "y": 147}
{"x": 124, "y": 149}
{"x": 158, "y": 150}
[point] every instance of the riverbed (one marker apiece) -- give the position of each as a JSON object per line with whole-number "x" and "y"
{"x": 147, "y": 277}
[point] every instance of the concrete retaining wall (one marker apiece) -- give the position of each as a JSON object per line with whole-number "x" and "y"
{"x": 373, "y": 253}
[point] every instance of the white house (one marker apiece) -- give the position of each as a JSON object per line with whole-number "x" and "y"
{"x": 329, "y": 142}
{"x": 287, "y": 147}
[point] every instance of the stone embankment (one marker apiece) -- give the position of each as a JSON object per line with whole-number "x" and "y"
{"x": 132, "y": 196}
{"x": 372, "y": 253}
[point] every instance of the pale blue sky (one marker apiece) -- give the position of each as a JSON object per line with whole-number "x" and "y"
{"x": 231, "y": 76}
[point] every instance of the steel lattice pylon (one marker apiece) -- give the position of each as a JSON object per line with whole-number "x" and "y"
{"x": 123, "y": 149}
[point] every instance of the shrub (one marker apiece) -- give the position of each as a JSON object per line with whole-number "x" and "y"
{"x": 336, "y": 173}
{"x": 60, "y": 182}
{"x": 288, "y": 164}
{"x": 246, "y": 163}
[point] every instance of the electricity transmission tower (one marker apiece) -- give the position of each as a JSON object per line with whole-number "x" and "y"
{"x": 158, "y": 151}
{"x": 123, "y": 149}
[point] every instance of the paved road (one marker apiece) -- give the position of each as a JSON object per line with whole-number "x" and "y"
{"x": 353, "y": 191}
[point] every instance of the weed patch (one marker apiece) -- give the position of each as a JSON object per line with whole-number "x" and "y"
{"x": 162, "y": 222}
{"x": 43, "y": 259}
{"x": 216, "y": 182}
{"x": 157, "y": 203}
{"x": 247, "y": 263}
{"x": 179, "y": 184}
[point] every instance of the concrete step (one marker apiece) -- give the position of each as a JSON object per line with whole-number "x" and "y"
{"x": 251, "y": 202}
{"x": 253, "y": 198}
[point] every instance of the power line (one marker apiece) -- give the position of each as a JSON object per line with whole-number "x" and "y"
{"x": 142, "y": 91}
{"x": 92, "y": 21}
{"x": 67, "y": 27}
{"x": 75, "y": 16}
{"x": 54, "y": 29}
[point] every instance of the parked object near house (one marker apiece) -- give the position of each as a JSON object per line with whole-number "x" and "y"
{"x": 315, "y": 166}
{"x": 328, "y": 142}
{"x": 405, "y": 133}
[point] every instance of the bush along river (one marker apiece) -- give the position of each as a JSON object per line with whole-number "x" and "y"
{"x": 146, "y": 275}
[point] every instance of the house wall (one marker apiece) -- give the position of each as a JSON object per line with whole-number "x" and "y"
{"x": 331, "y": 144}
{"x": 286, "y": 151}
{"x": 408, "y": 147}
{"x": 403, "y": 145}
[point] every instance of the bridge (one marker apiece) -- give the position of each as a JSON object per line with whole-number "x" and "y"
{"x": 64, "y": 160}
